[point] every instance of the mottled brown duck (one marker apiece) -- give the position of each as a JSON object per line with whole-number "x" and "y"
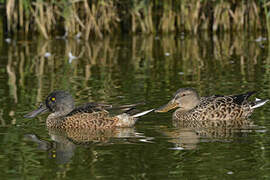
{"x": 212, "y": 111}
{"x": 64, "y": 114}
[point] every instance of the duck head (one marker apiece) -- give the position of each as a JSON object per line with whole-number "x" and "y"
{"x": 185, "y": 99}
{"x": 58, "y": 102}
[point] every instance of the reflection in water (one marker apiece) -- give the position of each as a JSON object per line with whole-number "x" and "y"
{"x": 104, "y": 69}
{"x": 185, "y": 137}
{"x": 122, "y": 70}
{"x": 65, "y": 141}
{"x": 98, "y": 60}
{"x": 182, "y": 138}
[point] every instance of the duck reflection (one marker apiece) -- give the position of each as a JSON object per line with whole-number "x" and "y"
{"x": 64, "y": 142}
{"x": 187, "y": 138}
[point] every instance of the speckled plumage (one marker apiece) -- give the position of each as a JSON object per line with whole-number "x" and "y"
{"x": 213, "y": 111}
{"x": 94, "y": 120}
{"x": 64, "y": 114}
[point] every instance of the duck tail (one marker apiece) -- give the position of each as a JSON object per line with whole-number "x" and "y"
{"x": 142, "y": 113}
{"x": 240, "y": 98}
{"x": 248, "y": 94}
{"x": 258, "y": 103}
{"x": 127, "y": 120}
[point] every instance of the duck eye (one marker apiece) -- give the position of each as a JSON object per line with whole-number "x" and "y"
{"x": 183, "y": 95}
{"x": 53, "y": 99}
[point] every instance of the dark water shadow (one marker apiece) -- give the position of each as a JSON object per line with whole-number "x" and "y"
{"x": 64, "y": 142}
{"x": 188, "y": 138}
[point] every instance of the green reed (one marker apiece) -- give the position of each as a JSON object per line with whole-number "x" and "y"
{"x": 96, "y": 18}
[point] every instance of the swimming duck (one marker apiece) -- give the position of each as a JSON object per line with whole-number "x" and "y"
{"x": 64, "y": 114}
{"x": 216, "y": 110}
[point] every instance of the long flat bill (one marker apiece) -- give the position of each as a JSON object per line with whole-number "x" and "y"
{"x": 167, "y": 107}
{"x": 42, "y": 108}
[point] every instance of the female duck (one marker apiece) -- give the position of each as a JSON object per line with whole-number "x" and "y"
{"x": 216, "y": 110}
{"x": 64, "y": 114}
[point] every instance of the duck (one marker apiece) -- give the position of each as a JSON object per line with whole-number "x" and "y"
{"x": 213, "y": 111}
{"x": 65, "y": 115}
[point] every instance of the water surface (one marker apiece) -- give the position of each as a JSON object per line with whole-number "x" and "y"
{"x": 123, "y": 70}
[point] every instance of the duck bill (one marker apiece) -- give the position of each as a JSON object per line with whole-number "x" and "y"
{"x": 42, "y": 108}
{"x": 167, "y": 107}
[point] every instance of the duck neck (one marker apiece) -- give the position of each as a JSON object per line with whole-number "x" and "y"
{"x": 63, "y": 110}
{"x": 55, "y": 118}
{"x": 58, "y": 114}
{"x": 192, "y": 103}
{"x": 180, "y": 111}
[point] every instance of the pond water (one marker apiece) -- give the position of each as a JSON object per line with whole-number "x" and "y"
{"x": 131, "y": 69}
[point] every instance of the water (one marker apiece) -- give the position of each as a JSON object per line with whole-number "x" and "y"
{"x": 124, "y": 70}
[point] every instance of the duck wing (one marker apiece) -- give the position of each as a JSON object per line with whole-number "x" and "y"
{"x": 219, "y": 99}
{"x": 224, "y": 107}
{"x": 98, "y": 107}
{"x": 241, "y": 98}
{"x": 89, "y": 108}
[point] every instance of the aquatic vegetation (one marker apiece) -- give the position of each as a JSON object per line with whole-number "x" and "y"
{"x": 99, "y": 17}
